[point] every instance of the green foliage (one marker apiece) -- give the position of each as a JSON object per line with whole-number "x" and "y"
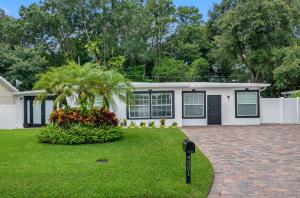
{"x": 143, "y": 124}
{"x": 287, "y": 74}
{"x": 169, "y": 70}
{"x": 44, "y": 166}
{"x": 240, "y": 42}
{"x": 84, "y": 84}
{"x": 78, "y": 134}
{"x": 21, "y": 64}
{"x": 174, "y": 124}
{"x": 295, "y": 95}
{"x": 162, "y": 122}
{"x": 132, "y": 125}
{"x": 124, "y": 123}
{"x": 151, "y": 124}
{"x": 251, "y": 30}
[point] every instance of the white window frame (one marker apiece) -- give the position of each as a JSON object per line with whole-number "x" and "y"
{"x": 199, "y": 104}
{"x": 256, "y": 104}
{"x": 161, "y": 105}
{"x": 131, "y": 105}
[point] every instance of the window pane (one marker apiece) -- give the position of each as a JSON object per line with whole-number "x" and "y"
{"x": 194, "y": 104}
{"x": 193, "y": 98}
{"x": 247, "y": 103}
{"x": 161, "y": 105}
{"x": 140, "y": 107}
{"x": 247, "y": 97}
{"x": 48, "y": 109}
{"x": 193, "y": 110}
{"x": 247, "y": 110}
{"x": 37, "y": 112}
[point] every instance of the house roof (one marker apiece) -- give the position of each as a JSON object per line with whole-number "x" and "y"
{"x": 8, "y": 85}
{"x": 29, "y": 93}
{"x": 198, "y": 85}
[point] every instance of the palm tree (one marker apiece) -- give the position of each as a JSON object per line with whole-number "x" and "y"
{"x": 70, "y": 80}
{"x": 113, "y": 85}
{"x": 54, "y": 82}
{"x": 85, "y": 83}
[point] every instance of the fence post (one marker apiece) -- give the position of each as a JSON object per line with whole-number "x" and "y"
{"x": 282, "y": 104}
{"x": 298, "y": 110}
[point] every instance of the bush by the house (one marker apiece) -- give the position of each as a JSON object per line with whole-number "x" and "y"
{"x": 151, "y": 124}
{"x": 143, "y": 124}
{"x": 132, "y": 125}
{"x": 79, "y": 134}
{"x": 162, "y": 123}
{"x": 174, "y": 124}
{"x": 96, "y": 117}
{"x": 124, "y": 123}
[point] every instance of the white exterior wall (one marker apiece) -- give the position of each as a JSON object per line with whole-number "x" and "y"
{"x": 122, "y": 112}
{"x": 227, "y": 109}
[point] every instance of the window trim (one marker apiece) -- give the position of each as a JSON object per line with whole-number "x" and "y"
{"x": 150, "y": 95}
{"x": 194, "y": 117}
{"x": 128, "y": 108}
{"x": 258, "y": 104}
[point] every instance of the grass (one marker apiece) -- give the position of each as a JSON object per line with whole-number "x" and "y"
{"x": 145, "y": 163}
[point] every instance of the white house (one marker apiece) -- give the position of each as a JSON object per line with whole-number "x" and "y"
{"x": 186, "y": 103}
{"x": 194, "y": 103}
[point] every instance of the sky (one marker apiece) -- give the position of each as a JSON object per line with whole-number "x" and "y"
{"x": 11, "y": 7}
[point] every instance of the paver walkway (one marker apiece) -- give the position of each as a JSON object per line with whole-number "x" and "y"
{"x": 251, "y": 161}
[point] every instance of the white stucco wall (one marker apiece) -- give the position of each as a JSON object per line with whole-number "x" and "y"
{"x": 227, "y": 109}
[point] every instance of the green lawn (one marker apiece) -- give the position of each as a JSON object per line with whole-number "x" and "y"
{"x": 145, "y": 163}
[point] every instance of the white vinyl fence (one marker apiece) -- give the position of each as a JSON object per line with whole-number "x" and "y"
{"x": 280, "y": 110}
{"x": 8, "y": 117}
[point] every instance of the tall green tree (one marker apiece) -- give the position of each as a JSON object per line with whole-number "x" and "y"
{"x": 251, "y": 31}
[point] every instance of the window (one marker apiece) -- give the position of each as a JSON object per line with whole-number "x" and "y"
{"x": 147, "y": 105}
{"x": 140, "y": 107}
{"x": 194, "y": 104}
{"x": 161, "y": 104}
{"x": 247, "y": 103}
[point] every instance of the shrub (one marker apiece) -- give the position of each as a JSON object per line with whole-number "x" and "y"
{"x": 143, "y": 124}
{"x": 162, "y": 123}
{"x": 174, "y": 124}
{"x": 78, "y": 134}
{"x": 132, "y": 125}
{"x": 97, "y": 117}
{"x": 151, "y": 124}
{"x": 123, "y": 123}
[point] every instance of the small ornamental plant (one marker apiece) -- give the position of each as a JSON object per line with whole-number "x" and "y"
{"x": 132, "y": 125}
{"x": 174, "y": 125}
{"x": 162, "y": 123}
{"x": 143, "y": 124}
{"x": 151, "y": 124}
{"x": 124, "y": 123}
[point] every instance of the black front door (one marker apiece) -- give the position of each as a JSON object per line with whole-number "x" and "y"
{"x": 214, "y": 109}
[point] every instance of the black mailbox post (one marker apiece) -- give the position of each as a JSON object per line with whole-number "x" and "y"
{"x": 188, "y": 147}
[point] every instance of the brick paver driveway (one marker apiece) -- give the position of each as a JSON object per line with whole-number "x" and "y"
{"x": 251, "y": 161}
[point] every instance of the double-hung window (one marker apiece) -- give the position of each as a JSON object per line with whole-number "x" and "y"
{"x": 146, "y": 105}
{"x": 247, "y": 103}
{"x": 140, "y": 106}
{"x": 194, "y": 104}
{"x": 161, "y": 105}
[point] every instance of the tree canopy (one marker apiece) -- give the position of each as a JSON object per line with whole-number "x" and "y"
{"x": 153, "y": 40}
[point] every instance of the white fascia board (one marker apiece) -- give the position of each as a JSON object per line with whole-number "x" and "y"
{"x": 8, "y": 84}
